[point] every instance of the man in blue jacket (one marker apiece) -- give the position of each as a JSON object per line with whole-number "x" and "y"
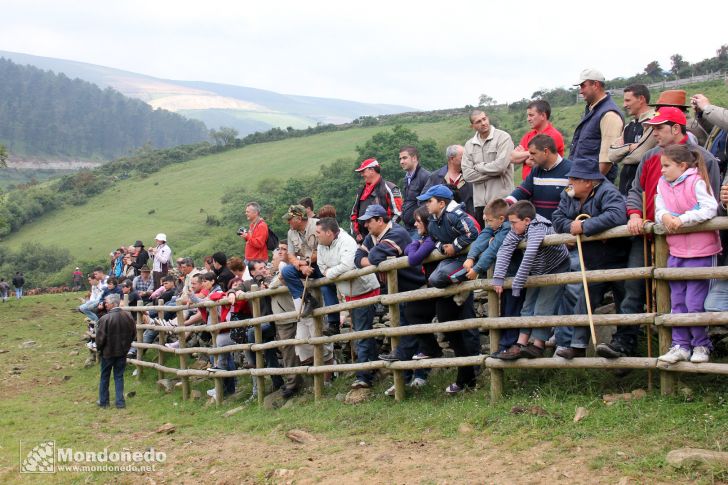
{"x": 590, "y": 193}
{"x": 388, "y": 239}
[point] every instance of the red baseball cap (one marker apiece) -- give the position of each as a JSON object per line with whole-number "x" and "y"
{"x": 368, "y": 163}
{"x": 668, "y": 113}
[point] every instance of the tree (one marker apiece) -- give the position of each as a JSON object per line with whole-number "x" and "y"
{"x": 486, "y": 100}
{"x": 679, "y": 66}
{"x": 722, "y": 52}
{"x": 225, "y": 136}
{"x": 653, "y": 70}
{"x": 3, "y": 157}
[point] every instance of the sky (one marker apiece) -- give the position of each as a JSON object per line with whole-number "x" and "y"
{"x": 427, "y": 55}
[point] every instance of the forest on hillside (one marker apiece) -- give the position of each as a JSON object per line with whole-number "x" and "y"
{"x": 42, "y": 113}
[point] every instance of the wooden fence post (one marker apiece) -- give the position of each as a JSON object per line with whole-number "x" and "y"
{"x": 394, "y": 319}
{"x": 212, "y": 311}
{"x": 183, "y": 357}
{"x": 496, "y": 375}
{"x": 259, "y": 360}
{"x": 162, "y": 339}
{"x": 318, "y": 350}
{"x": 667, "y": 378}
{"x": 140, "y": 339}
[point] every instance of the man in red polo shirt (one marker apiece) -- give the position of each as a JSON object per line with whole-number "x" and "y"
{"x": 537, "y": 114}
{"x": 669, "y": 128}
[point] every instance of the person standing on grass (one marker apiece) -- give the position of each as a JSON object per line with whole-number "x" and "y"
{"x": 256, "y": 238}
{"x": 115, "y": 333}
{"x": 4, "y": 289}
{"x": 18, "y": 283}
{"x": 684, "y": 198}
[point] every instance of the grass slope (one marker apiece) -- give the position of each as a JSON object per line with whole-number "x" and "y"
{"x": 182, "y": 195}
{"x": 48, "y": 394}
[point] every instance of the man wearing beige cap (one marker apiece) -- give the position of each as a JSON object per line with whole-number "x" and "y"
{"x": 600, "y": 126}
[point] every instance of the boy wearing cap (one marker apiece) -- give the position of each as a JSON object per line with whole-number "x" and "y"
{"x": 451, "y": 228}
{"x": 376, "y": 190}
{"x": 589, "y": 193}
{"x": 669, "y": 128}
{"x": 537, "y": 260}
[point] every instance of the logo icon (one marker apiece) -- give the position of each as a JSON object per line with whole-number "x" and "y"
{"x": 40, "y": 459}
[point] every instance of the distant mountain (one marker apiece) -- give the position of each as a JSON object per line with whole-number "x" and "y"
{"x": 49, "y": 115}
{"x": 243, "y": 108}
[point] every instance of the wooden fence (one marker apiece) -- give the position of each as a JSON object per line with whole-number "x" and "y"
{"x": 658, "y": 274}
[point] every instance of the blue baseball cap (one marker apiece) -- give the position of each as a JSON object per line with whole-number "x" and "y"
{"x": 436, "y": 191}
{"x": 374, "y": 210}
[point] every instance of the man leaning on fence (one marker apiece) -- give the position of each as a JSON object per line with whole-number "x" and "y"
{"x": 590, "y": 194}
{"x": 115, "y": 333}
{"x": 336, "y": 252}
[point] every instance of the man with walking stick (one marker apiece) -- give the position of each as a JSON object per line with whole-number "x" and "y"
{"x": 590, "y": 205}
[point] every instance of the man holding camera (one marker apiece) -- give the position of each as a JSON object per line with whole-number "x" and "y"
{"x": 256, "y": 236}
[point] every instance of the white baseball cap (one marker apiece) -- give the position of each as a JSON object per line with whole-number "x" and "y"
{"x": 591, "y": 74}
{"x": 161, "y": 237}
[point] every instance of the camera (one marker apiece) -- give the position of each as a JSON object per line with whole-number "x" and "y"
{"x": 242, "y": 231}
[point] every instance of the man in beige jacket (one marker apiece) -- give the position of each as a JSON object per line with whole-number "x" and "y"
{"x": 487, "y": 163}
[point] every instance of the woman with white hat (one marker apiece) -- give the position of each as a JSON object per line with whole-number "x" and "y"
{"x": 162, "y": 255}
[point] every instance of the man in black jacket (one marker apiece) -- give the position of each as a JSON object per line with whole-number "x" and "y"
{"x": 115, "y": 333}
{"x": 18, "y": 283}
{"x": 413, "y": 183}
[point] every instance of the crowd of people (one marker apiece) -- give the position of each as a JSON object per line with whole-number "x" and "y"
{"x": 666, "y": 169}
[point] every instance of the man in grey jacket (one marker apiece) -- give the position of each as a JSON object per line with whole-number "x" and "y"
{"x": 336, "y": 252}
{"x": 487, "y": 163}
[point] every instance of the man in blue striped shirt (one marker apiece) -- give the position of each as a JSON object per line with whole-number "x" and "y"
{"x": 543, "y": 186}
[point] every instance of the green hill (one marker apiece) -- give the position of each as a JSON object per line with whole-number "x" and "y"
{"x": 182, "y": 198}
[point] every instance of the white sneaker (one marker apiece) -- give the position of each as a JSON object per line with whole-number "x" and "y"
{"x": 135, "y": 373}
{"x": 417, "y": 382}
{"x": 211, "y": 393}
{"x": 459, "y": 298}
{"x": 700, "y": 355}
{"x": 390, "y": 392}
{"x": 674, "y": 355}
{"x": 173, "y": 345}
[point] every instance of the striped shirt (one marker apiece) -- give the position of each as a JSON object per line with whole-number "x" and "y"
{"x": 543, "y": 187}
{"x": 537, "y": 260}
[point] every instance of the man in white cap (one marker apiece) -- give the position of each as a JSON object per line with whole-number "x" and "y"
{"x": 600, "y": 126}
{"x": 161, "y": 254}
{"x": 376, "y": 190}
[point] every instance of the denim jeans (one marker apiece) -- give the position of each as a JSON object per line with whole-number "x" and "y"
{"x": 149, "y": 337}
{"x": 118, "y": 364}
{"x": 634, "y": 299}
{"x": 462, "y": 342}
{"x": 362, "y": 318}
{"x": 270, "y": 356}
{"x": 440, "y": 278}
{"x": 408, "y": 346}
{"x": 4, "y": 295}
{"x": 88, "y": 309}
{"x": 543, "y": 301}
{"x": 717, "y": 299}
{"x": 511, "y": 306}
{"x": 19, "y": 293}
{"x": 293, "y": 278}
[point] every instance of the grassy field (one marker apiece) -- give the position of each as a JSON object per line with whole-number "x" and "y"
{"x": 178, "y": 199}
{"x": 47, "y": 394}
{"x": 182, "y": 195}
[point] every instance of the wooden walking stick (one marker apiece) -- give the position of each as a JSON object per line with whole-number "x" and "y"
{"x": 584, "y": 282}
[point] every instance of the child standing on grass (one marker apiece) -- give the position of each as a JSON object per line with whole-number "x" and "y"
{"x": 683, "y": 199}
{"x": 537, "y": 260}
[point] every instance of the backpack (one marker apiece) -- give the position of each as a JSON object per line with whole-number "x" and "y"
{"x": 272, "y": 242}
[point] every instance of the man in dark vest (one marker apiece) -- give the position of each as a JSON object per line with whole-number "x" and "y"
{"x": 376, "y": 190}
{"x": 600, "y": 126}
{"x": 413, "y": 183}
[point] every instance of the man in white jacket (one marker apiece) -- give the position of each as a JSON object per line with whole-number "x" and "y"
{"x": 336, "y": 251}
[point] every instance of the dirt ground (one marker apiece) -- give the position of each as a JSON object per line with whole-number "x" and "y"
{"x": 464, "y": 459}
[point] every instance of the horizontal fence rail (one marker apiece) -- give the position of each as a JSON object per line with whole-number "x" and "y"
{"x": 661, "y": 319}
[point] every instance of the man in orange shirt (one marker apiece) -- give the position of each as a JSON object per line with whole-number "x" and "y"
{"x": 256, "y": 238}
{"x": 537, "y": 114}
